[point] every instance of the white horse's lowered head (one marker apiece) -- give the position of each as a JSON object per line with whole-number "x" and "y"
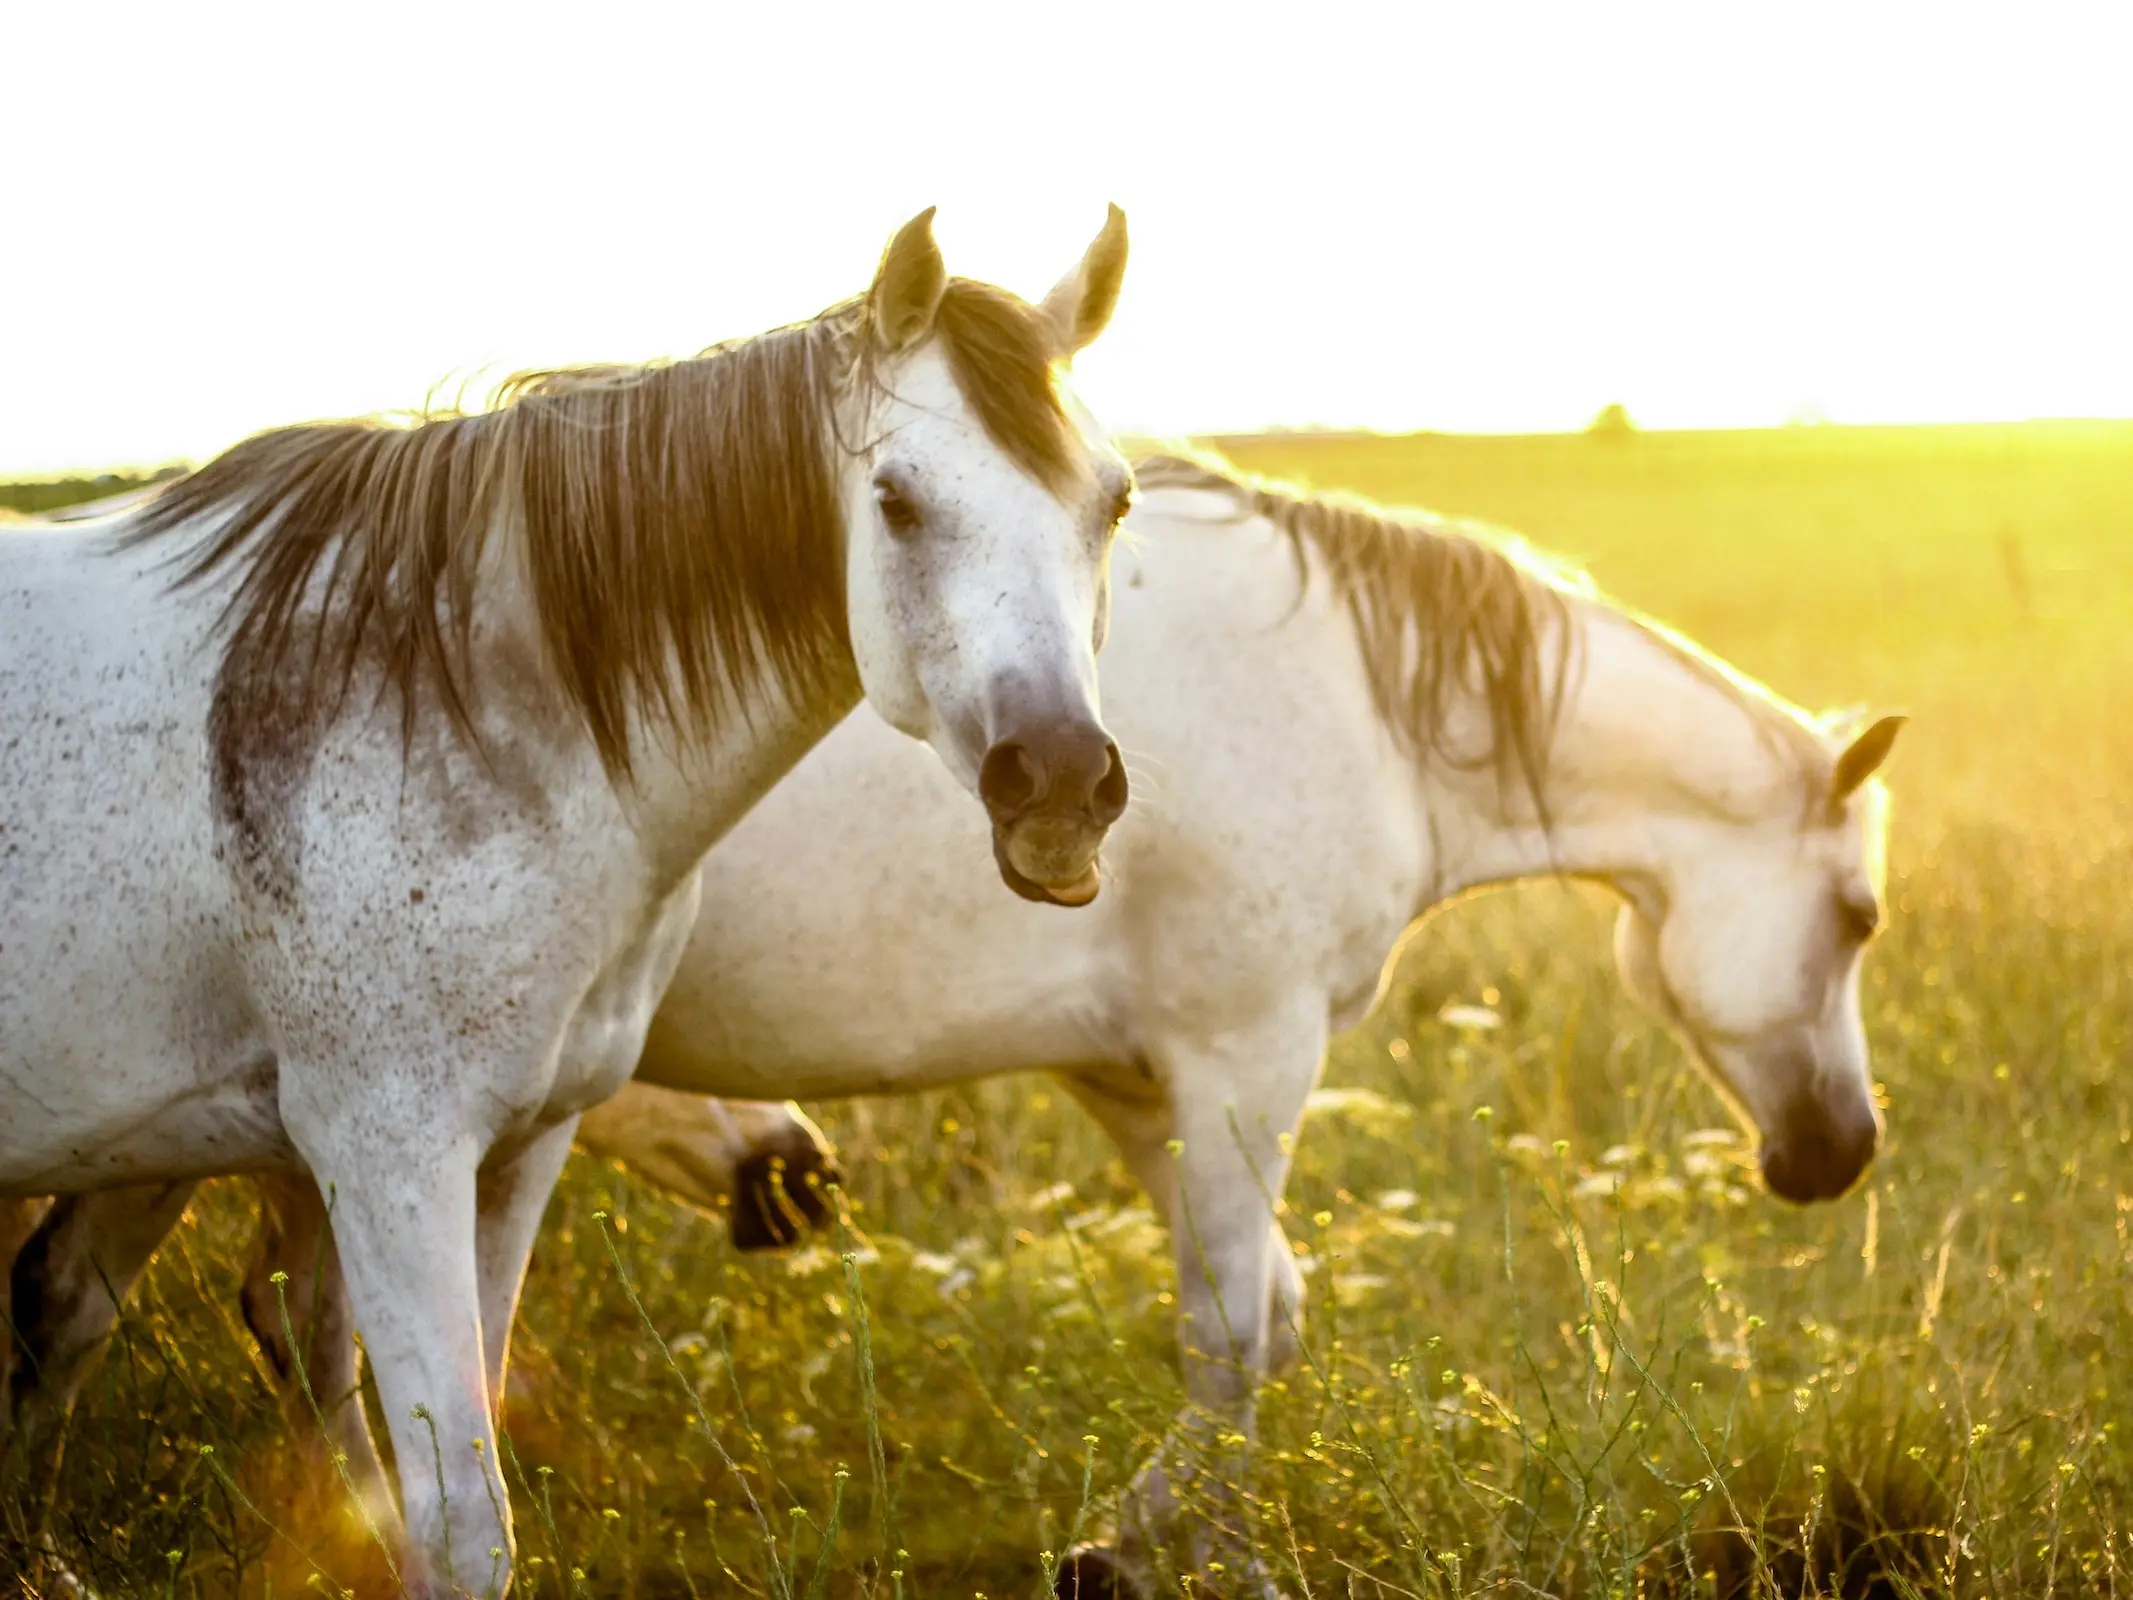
{"x": 1746, "y": 942}
{"x": 1559, "y": 732}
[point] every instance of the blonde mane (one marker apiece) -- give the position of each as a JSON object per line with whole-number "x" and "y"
{"x": 1442, "y": 606}
{"x": 1439, "y": 608}
{"x": 678, "y": 527}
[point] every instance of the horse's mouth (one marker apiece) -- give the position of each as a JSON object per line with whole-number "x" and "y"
{"x": 1075, "y": 890}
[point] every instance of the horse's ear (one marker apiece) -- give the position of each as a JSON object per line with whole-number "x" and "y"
{"x": 1863, "y": 757}
{"x": 1842, "y": 722}
{"x": 1080, "y": 304}
{"x": 908, "y": 286}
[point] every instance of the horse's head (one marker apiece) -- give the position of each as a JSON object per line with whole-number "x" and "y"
{"x": 980, "y": 518}
{"x": 1749, "y": 946}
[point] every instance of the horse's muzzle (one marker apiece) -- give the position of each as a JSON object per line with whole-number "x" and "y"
{"x": 1818, "y": 1152}
{"x": 1052, "y": 790}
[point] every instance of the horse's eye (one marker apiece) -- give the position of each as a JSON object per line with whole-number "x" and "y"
{"x": 899, "y": 513}
{"x": 1122, "y": 507}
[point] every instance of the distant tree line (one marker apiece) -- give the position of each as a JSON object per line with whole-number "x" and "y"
{"x": 54, "y": 493}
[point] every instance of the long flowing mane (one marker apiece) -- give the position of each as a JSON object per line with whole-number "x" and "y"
{"x": 1443, "y": 606}
{"x": 1440, "y": 608}
{"x": 677, "y": 524}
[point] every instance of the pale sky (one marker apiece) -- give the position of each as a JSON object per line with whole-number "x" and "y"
{"x": 1471, "y": 216}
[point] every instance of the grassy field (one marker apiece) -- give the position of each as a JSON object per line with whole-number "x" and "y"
{"x": 1561, "y": 1343}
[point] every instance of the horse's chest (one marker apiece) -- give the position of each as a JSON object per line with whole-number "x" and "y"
{"x": 604, "y": 1037}
{"x": 1366, "y": 935}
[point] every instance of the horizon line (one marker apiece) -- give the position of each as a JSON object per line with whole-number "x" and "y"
{"x": 1317, "y": 430}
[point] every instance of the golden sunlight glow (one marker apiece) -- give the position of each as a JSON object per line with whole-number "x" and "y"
{"x": 1460, "y": 217}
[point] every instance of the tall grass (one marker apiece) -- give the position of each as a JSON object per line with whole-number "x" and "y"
{"x": 1560, "y": 1342}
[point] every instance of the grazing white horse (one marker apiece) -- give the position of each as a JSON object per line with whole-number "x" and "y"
{"x": 1340, "y": 719}
{"x": 354, "y": 787}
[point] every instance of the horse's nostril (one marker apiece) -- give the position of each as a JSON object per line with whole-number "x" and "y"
{"x": 1112, "y": 790}
{"x": 1007, "y": 782}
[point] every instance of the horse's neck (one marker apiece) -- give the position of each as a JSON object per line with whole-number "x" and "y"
{"x": 681, "y": 804}
{"x": 681, "y": 797}
{"x": 1646, "y": 745}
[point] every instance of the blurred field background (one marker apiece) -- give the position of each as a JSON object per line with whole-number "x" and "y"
{"x": 1561, "y": 1344}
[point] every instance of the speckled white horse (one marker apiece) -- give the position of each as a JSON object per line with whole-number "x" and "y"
{"x": 354, "y": 787}
{"x": 1339, "y": 719}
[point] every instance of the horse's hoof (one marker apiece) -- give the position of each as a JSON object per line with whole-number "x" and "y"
{"x": 1090, "y": 1572}
{"x": 778, "y": 1194}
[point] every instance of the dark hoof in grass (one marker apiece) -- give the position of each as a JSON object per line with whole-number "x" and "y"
{"x": 779, "y": 1194}
{"x": 1090, "y": 1572}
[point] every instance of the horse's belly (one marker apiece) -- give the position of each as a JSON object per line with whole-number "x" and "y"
{"x": 769, "y": 1074}
{"x": 229, "y": 1125}
{"x": 766, "y": 1032}
{"x": 130, "y": 1049}
{"x": 126, "y": 1057}
{"x": 605, "y": 1039}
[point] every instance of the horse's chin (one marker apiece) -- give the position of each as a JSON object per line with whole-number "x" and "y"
{"x": 1049, "y": 877}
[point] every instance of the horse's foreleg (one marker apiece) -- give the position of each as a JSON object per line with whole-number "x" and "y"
{"x": 1235, "y": 1097}
{"x": 306, "y": 1333}
{"x": 68, "y": 1282}
{"x": 1142, "y": 1129}
{"x": 513, "y": 1194}
{"x": 404, "y": 1220}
